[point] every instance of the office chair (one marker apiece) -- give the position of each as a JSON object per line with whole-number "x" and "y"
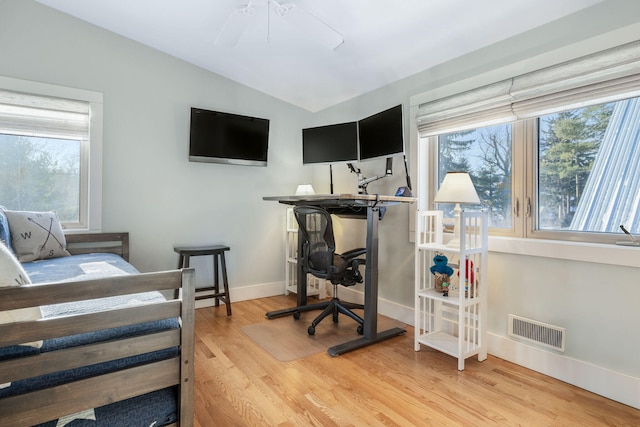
{"x": 319, "y": 259}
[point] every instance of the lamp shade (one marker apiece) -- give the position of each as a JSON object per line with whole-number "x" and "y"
{"x": 457, "y": 188}
{"x": 305, "y": 190}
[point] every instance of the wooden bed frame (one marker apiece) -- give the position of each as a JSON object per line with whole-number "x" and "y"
{"x": 54, "y": 402}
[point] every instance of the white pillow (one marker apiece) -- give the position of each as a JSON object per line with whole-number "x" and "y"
{"x": 36, "y": 235}
{"x": 12, "y": 274}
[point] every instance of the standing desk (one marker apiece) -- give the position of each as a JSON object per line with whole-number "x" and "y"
{"x": 351, "y": 206}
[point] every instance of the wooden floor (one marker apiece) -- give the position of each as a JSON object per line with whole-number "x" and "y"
{"x": 388, "y": 384}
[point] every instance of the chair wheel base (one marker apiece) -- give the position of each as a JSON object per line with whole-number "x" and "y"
{"x": 311, "y": 330}
{"x": 296, "y": 315}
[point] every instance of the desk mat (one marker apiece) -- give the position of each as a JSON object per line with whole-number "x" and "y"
{"x": 286, "y": 339}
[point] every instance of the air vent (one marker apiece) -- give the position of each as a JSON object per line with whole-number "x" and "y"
{"x": 540, "y": 333}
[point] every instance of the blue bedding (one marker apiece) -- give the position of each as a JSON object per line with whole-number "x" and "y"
{"x": 157, "y": 408}
{"x": 77, "y": 267}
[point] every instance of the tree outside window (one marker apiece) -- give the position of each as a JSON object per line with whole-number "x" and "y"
{"x": 40, "y": 174}
{"x": 485, "y": 153}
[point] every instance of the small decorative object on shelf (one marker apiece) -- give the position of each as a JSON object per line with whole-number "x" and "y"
{"x": 470, "y": 277}
{"x": 443, "y": 272}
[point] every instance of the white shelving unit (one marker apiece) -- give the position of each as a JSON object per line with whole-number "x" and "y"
{"x": 315, "y": 286}
{"x": 454, "y": 324}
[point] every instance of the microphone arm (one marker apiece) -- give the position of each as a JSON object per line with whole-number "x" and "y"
{"x": 363, "y": 181}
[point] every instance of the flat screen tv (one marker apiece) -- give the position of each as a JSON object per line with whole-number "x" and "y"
{"x": 217, "y": 137}
{"x": 330, "y": 144}
{"x": 382, "y": 134}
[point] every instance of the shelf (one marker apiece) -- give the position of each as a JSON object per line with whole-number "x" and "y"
{"x": 445, "y": 248}
{"x": 456, "y": 323}
{"x": 448, "y": 344}
{"x": 454, "y": 300}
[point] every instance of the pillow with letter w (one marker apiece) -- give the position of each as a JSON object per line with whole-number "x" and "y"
{"x": 36, "y": 235}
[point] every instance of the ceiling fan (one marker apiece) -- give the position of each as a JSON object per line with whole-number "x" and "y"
{"x": 306, "y": 23}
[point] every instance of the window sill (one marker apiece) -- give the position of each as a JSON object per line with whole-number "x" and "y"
{"x": 574, "y": 251}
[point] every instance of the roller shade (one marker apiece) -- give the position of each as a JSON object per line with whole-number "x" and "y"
{"x": 606, "y": 76}
{"x": 33, "y": 115}
{"x": 478, "y": 107}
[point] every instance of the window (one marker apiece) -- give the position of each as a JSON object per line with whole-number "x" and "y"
{"x": 486, "y": 154}
{"x": 554, "y": 154}
{"x": 585, "y": 171}
{"x": 41, "y": 174}
{"x": 587, "y": 177}
{"x": 50, "y": 151}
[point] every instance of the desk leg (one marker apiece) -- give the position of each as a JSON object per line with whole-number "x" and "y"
{"x": 370, "y": 327}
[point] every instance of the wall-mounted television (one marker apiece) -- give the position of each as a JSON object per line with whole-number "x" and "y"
{"x": 382, "y": 134}
{"x": 330, "y": 144}
{"x": 218, "y": 137}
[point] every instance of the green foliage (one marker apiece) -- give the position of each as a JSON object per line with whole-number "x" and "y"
{"x": 486, "y": 154}
{"x": 569, "y": 143}
{"x": 34, "y": 176}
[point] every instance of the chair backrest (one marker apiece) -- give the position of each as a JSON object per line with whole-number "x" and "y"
{"x": 319, "y": 243}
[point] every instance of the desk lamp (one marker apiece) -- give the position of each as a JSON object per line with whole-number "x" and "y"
{"x": 457, "y": 188}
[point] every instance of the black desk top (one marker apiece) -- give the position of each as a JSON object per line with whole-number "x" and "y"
{"x": 362, "y": 199}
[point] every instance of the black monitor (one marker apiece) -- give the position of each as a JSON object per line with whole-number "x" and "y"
{"x": 218, "y": 137}
{"x": 330, "y": 144}
{"x": 382, "y": 134}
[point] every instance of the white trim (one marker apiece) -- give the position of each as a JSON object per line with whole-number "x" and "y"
{"x": 600, "y": 253}
{"x": 94, "y": 179}
{"x": 246, "y": 293}
{"x": 605, "y": 382}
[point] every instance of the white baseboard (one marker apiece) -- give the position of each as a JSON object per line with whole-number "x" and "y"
{"x": 386, "y": 308}
{"x": 605, "y": 382}
{"x": 245, "y": 293}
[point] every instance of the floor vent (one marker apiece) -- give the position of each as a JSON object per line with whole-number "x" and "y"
{"x": 540, "y": 333}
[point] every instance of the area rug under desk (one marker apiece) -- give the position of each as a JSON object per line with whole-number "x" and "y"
{"x": 286, "y": 339}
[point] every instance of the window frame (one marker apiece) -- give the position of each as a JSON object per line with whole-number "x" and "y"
{"x": 609, "y": 75}
{"x": 90, "y": 215}
{"x": 524, "y": 189}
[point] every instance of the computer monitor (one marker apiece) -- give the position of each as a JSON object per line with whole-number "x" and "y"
{"x": 336, "y": 143}
{"x": 219, "y": 137}
{"x": 382, "y": 134}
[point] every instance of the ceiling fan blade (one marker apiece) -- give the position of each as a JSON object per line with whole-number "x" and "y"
{"x": 235, "y": 26}
{"x": 313, "y": 28}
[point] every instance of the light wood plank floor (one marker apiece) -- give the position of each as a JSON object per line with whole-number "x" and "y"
{"x": 388, "y": 384}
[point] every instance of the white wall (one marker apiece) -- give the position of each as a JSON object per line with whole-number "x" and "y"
{"x": 149, "y": 188}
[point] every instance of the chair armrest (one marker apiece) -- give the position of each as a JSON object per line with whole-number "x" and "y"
{"x": 353, "y": 253}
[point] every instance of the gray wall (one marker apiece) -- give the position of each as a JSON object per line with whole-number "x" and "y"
{"x": 597, "y": 303}
{"x": 149, "y": 187}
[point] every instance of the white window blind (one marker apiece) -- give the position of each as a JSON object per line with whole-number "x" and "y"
{"x": 484, "y": 106}
{"x": 42, "y": 116}
{"x": 605, "y": 76}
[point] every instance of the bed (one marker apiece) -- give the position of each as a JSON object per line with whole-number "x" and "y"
{"x": 116, "y": 345}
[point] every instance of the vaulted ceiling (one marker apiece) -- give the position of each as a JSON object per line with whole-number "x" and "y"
{"x": 317, "y": 53}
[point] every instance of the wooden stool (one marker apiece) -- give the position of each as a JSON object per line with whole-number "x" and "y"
{"x": 217, "y": 251}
